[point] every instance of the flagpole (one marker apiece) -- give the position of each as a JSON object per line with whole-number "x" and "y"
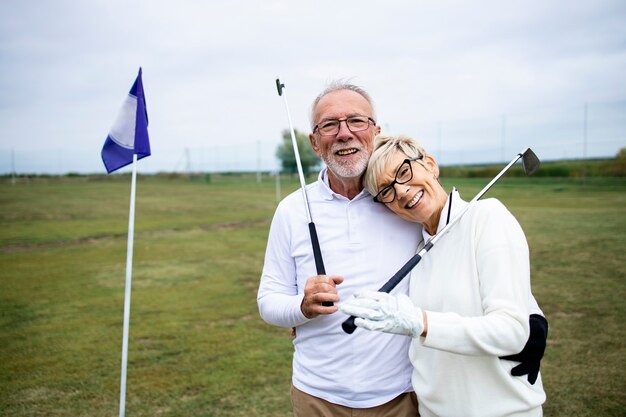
{"x": 129, "y": 273}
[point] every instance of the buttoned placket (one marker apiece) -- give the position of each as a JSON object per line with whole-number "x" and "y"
{"x": 352, "y": 217}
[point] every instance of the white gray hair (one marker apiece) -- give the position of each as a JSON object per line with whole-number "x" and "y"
{"x": 337, "y": 85}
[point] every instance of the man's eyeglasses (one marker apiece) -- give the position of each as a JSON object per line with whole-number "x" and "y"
{"x": 330, "y": 127}
{"x": 404, "y": 174}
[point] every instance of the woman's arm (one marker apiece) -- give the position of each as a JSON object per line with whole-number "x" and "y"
{"x": 501, "y": 260}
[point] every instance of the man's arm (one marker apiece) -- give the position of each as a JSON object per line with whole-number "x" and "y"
{"x": 283, "y": 309}
{"x": 277, "y": 297}
{"x": 281, "y": 299}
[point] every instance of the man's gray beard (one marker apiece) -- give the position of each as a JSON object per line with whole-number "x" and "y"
{"x": 353, "y": 170}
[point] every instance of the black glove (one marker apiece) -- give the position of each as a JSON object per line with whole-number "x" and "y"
{"x": 530, "y": 356}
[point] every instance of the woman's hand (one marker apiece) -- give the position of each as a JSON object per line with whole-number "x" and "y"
{"x": 385, "y": 312}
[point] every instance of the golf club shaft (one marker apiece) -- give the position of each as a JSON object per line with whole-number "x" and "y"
{"x": 294, "y": 143}
{"x": 497, "y": 177}
{"x": 348, "y": 325}
{"x": 317, "y": 252}
{"x": 482, "y": 192}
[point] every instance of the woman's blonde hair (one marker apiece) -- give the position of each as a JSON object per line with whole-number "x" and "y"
{"x": 385, "y": 146}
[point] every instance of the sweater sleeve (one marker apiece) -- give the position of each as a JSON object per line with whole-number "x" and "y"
{"x": 277, "y": 298}
{"x": 534, "y": 306}
{"x": 502, "y": 265}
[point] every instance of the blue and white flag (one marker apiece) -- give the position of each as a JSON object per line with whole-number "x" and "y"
{"x": 129, "y": 133}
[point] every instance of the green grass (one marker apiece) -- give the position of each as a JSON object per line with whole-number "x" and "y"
{"x": 197, "y": 345}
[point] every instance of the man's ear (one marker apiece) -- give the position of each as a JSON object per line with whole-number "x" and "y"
{"x": 316, "y": 148}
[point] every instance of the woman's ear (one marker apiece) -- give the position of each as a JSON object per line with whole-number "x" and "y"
{"x": 431, "y": 165}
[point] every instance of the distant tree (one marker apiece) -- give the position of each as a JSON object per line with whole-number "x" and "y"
{"x": 308, "y": 158}
{"x": 620, "y": 163}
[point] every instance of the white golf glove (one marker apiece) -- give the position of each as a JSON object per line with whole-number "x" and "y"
{"x": 384, "y": 312}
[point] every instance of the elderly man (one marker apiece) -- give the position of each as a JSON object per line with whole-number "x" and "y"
{"x": 362, "y": 244}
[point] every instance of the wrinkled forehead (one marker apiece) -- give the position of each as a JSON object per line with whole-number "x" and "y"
{"x": 341, "y": 103}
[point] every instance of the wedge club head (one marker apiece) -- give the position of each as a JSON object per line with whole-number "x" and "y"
{"x": 530, "y": 162}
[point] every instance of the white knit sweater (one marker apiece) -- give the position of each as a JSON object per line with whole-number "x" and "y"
{"x": 474, "y": 285}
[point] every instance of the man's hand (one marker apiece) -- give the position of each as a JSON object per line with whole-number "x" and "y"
{"x": 318, "y": 289}
{"x": 530, "y": 356}
{"x": 384, "y": 312}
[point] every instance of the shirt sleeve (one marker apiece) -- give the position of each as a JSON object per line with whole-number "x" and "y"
{"x": 278, "y": 298}
{"x": 502, "y": 264}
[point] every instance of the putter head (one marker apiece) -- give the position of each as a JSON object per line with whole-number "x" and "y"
{"x": 530, "y": 162}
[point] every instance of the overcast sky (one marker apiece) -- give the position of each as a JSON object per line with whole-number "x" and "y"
{"x": 209, "y": 67}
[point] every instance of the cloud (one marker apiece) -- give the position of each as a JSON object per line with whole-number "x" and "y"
{"x": 209, "y": 67}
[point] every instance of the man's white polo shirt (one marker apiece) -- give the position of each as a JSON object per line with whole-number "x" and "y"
{"x": 365, "y": 243}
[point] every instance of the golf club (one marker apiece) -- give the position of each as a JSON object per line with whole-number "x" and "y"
{"x": 317, "y": 253}
{"x": 530, "y": 162}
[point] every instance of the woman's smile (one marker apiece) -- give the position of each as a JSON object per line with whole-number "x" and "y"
{"x": 415, "y": 199}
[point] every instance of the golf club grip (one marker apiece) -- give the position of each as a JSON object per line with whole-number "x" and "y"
{"x": 348, "y": 325}
{"x": 317, "y": 254}
{"x": 399, "y": 276}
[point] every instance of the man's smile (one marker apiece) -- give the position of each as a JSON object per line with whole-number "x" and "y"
{"x": 348, "y": 151}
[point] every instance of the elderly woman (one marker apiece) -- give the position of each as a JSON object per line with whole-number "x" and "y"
{"x": 469, "y": 296}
